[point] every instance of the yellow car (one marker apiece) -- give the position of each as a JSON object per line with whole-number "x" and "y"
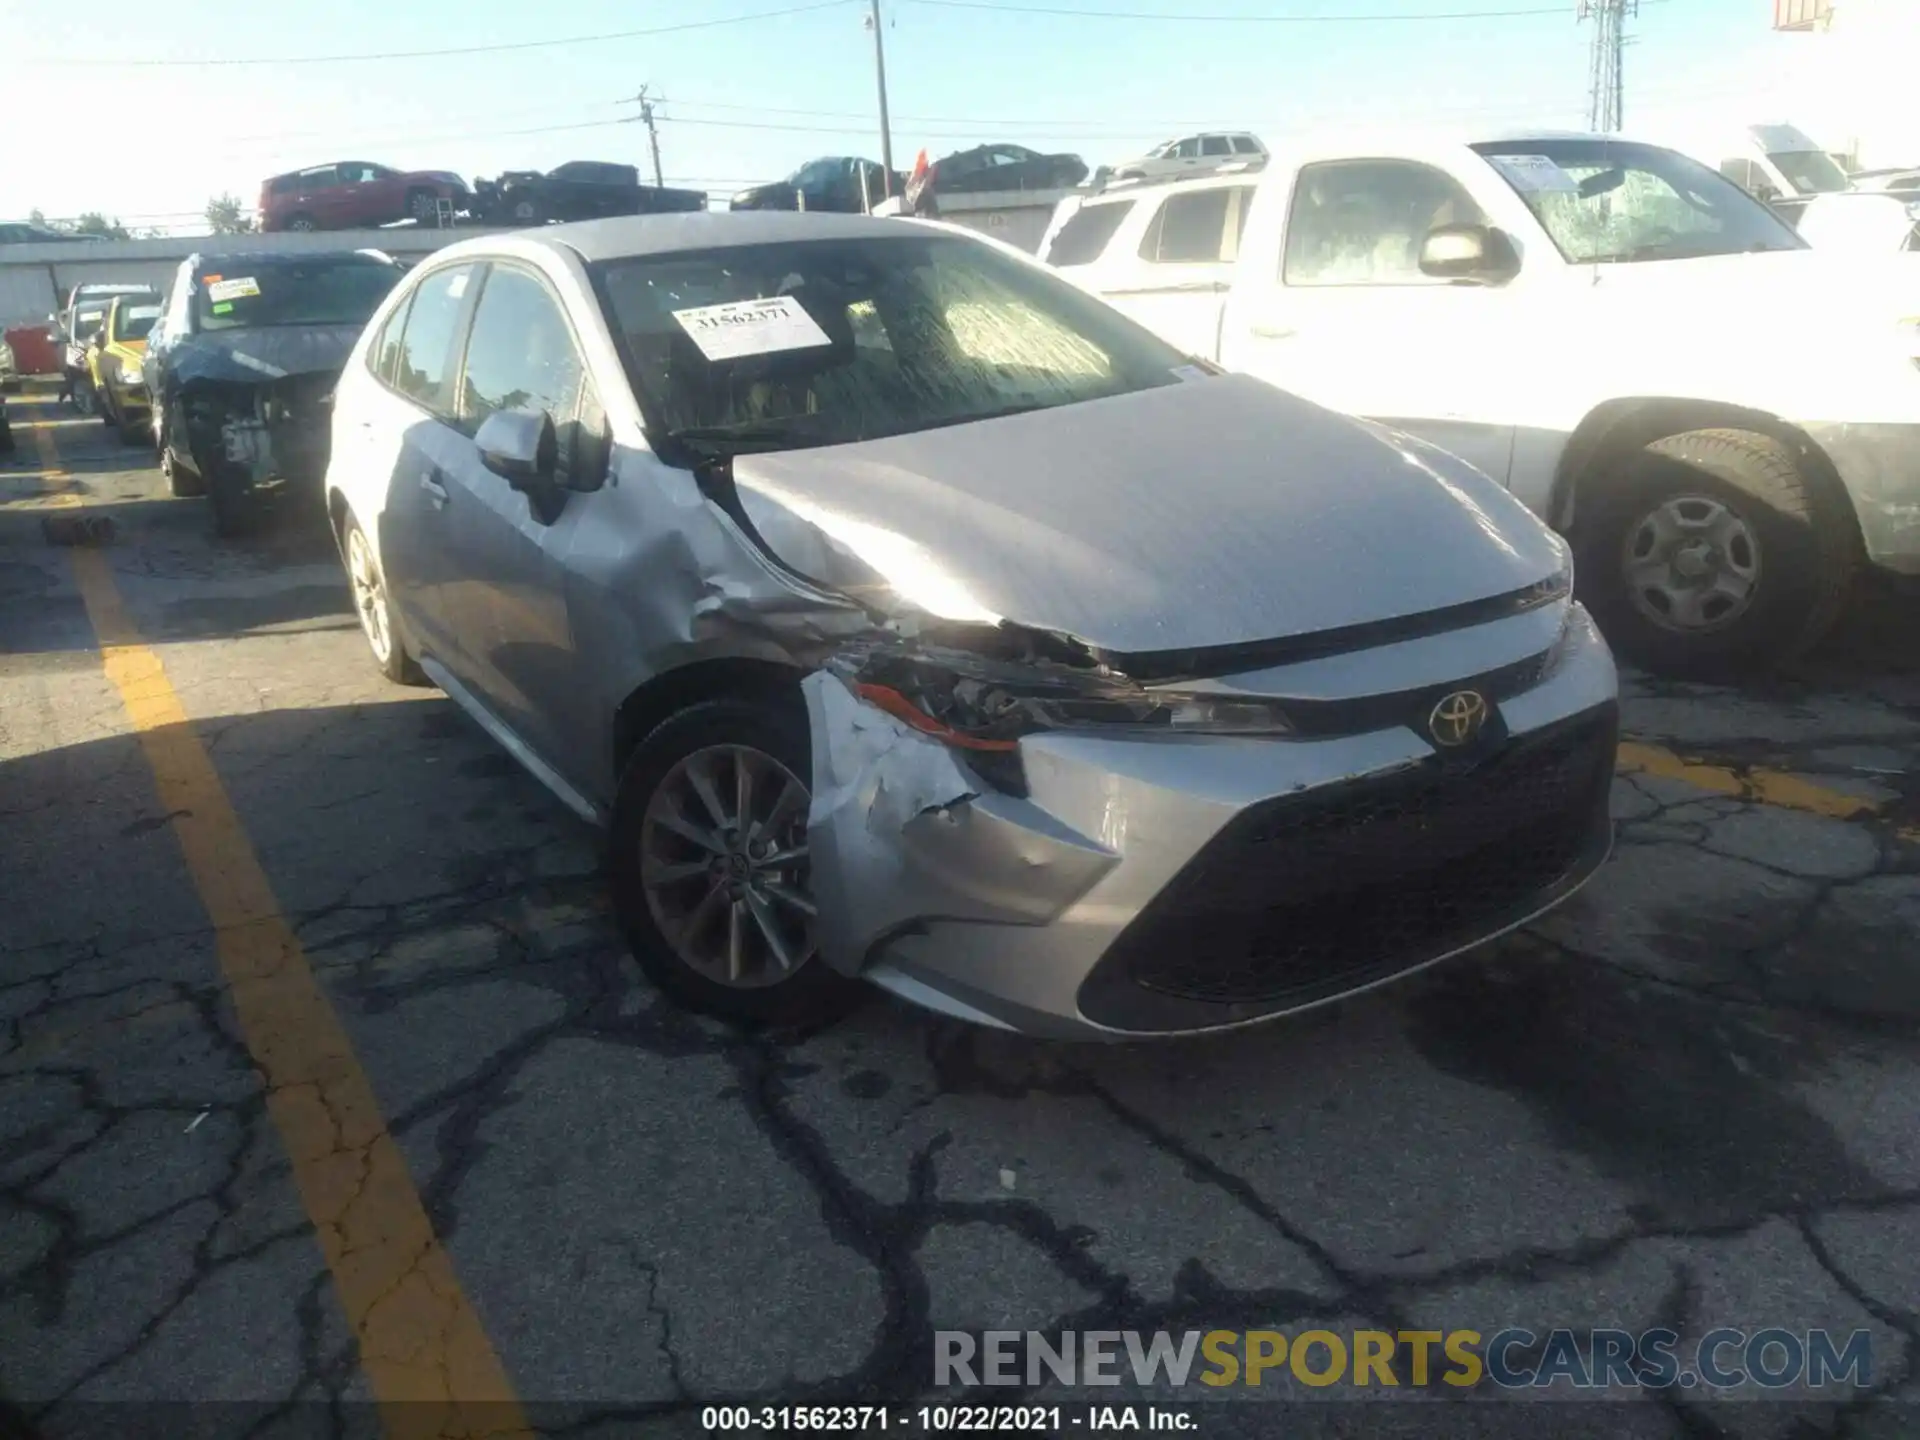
{"x": 115, "y": 363}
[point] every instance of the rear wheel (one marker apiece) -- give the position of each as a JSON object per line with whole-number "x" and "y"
{"x": 1714, "y": 553}
{"x": 527, "y": 212}
{"x": 371, "y": 604}
{"x": 423, "y": 206}
{"x": 710, "y": 870}
{"x": 301, "y": 221}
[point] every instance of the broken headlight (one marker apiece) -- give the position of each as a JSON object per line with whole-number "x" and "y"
{"x": 980, "y": 704}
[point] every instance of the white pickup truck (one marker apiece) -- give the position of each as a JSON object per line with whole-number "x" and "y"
{"x": 1724, "y": 422}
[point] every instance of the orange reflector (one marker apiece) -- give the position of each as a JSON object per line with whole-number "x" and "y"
{"x": 885, "y": 697}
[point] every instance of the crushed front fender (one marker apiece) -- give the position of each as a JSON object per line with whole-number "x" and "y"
{"x": 901, "y": 834}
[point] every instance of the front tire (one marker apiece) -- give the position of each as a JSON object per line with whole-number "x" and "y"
{"x": 375, "y": 610}
{"x": 424, "y": 207}
{"x": 709, "y": 867}
{"x": 1715, "y": 554}
{"x": 182, "y": 483}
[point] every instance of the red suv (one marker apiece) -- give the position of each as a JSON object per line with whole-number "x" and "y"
{"x": 353, "y": 193}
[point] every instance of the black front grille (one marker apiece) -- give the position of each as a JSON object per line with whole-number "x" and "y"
{"x": 1308, "y": 896}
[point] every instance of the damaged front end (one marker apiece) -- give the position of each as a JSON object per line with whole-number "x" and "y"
{"x": 264, "y": 443}
{"x": 921, "y": 806}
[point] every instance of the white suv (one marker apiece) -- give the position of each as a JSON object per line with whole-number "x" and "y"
{"x": 1194, "y": 155}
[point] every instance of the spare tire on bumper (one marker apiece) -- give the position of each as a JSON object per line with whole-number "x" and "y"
{"x": 1714, "y": 553}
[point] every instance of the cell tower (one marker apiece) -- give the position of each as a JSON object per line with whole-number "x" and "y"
{"x": 1607, "y": 104}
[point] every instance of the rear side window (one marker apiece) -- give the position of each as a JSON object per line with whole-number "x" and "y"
{"x": 426, "y": 345}
{"x": 1244, "y": 145}
{"x": 1215, "y": 145}
{"x": 383, "y": 356}
{"x": 1200, "y": 227}
{"x": 1084, "y": 237}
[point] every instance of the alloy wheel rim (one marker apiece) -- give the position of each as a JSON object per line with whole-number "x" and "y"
{"x": 724, "y": 866}
{"x": 369, "y": 596}
{"x": 1692, "y": 565}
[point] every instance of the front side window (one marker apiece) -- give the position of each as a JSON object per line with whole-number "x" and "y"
{"x": 136, "y": 322}
{"x": 245, "y": 295}
{"x": 1611, "y": 202}
{"x": 426, "y": 345}
{"x": 874, "y": 337}
{"x": 1083, "y": 239}
{"x": 1362, "y": 222}
{"x": 1190, "y": 149}
{"x": 520, "y": 354}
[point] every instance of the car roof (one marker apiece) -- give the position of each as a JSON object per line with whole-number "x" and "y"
{"x": 630, "y": 236}
{"x": 257, "y": 258}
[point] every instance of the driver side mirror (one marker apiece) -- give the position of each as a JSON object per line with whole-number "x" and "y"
{"x": 520, "y": 447}
{"x": 1473, "y": 254}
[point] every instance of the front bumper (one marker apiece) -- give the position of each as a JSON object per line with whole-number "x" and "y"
{"x": 132, "y": 399}
{"x": 1177, "y": 885}
{"x": 1880, "y": 466}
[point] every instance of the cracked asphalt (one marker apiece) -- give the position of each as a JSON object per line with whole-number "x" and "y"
{"x": 1688, "y": 1098}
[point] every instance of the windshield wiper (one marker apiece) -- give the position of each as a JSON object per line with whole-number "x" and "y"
{"x": 743, "y": 436}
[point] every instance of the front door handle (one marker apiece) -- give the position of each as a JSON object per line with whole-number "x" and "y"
{"x": 435, "y": 490}
{"x": 1274, "y": 332}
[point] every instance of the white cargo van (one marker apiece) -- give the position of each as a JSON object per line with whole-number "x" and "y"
{"x": 1784, "y": 168}
{"x": 1724, "y": 421}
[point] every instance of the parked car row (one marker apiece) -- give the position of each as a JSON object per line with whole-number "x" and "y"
{"x": 833, "y": 564}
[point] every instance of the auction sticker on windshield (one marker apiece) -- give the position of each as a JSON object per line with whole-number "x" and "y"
{"x": 1536, "y": 173}
{"x": 221, "y": 290}
{"x": 751, "y": 327}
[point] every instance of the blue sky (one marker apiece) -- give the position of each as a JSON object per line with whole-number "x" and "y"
{"x": 747, "y": 102}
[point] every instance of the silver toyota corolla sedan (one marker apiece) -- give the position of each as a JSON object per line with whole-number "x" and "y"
{"x": 907, "y": 616}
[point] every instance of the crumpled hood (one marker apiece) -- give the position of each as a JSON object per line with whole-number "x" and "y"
{"x": 1217, "y": 512}
{"x": 269, "y": 353}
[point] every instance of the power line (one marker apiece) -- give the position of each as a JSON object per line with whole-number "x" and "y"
{"x": 1335, "y": 19}
{"x": 451, "y": 50}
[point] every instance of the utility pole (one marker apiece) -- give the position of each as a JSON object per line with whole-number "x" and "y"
{"x": 886, "y": 125}
{"x": 1607, "y": 98}
{"x": 653, "y": 134}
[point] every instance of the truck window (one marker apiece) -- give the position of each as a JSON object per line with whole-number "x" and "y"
{"x": 1084, "y": 237}
{"x": 1607, "y": 202}
{"x": 1189, "y": 230}
{"x": 1361, "y": 222}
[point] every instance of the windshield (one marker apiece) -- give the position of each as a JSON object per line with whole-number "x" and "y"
{"x": 1606, "y": 202}
{"x": 245, "y": 296}
{"x": 1811, "y": 172}
{"x": 87, "y": 323}
{"x": 136, "y": 322}
{"x": 857, "y": 339}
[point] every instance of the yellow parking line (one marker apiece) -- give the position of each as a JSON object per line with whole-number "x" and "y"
{"x": 1768, "y": 787}
{"x": 422, "y": 1347}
